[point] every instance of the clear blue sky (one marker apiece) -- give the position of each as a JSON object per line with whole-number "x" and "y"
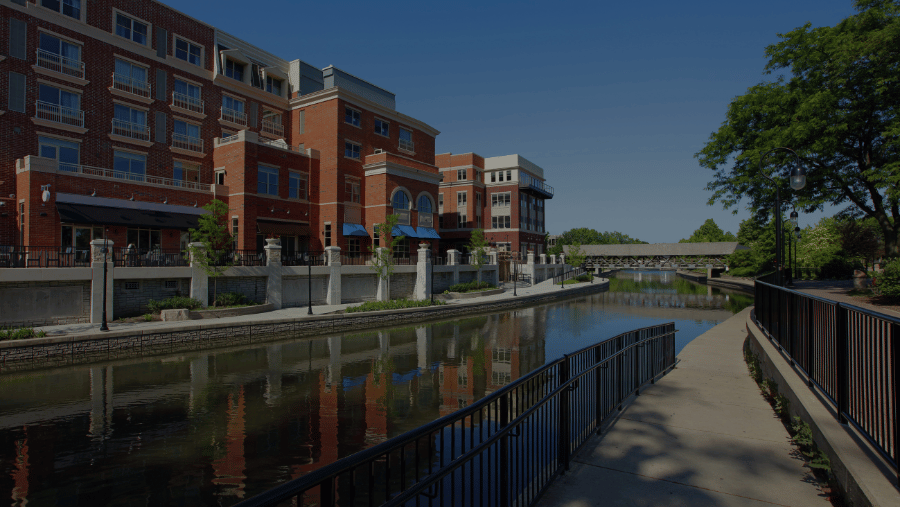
{"x": 612, "y": 99}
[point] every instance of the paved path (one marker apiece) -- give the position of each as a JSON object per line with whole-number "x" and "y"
{"x": 702, "y": 435}
{"x": 293, "y": 313}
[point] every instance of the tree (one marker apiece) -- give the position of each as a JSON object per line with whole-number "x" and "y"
{"x": 383, "y": 259}
{"x": 837, "y": 108}
{"x": 858, "y": 239}
{"x": 215, "y": 238}
{"x": 477, "y": 245}
{"x": 709, "y": 232}
{"x": 585, "y": 236}
{"x": 575, "y": 257}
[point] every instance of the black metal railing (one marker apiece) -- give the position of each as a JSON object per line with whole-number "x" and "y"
{"x": 137, "y": 258}
{"x": 43, "y": 257}
{"x": 568, "y": 275}
{"x": 507, "y": 447}
{"x": 849, "y": 353}
{"x": 313, "y": 258}
{"x": 404, "y": 261}
{"x": 356, "y": 259}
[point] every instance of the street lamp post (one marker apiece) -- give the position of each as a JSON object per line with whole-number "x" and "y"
{"x": 515, "y": 277}
{"x": 796, "y": 247}
{"x": 309, "y": 283}
{"x": 798, "y": 181}
{"x": 790, "y": 269}
{"x": 103, "y": 326}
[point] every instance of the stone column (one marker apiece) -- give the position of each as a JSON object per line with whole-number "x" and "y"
{"x": 333, "y": 254}
{"x": 562, "y": 259}
{"x": 453, "y": 260}
{"x": 199, "y": 279}
{"x": 383, "y": 292}
{"x": 529, "y": 268}
{"x": 274, "y": 292}
{"x": 423, "y": 273}
{"x": 552, "y": 259}
{"x": 493, "y": 257}
{"x": 97, "y": 281}
{"x": 542, "y": 258}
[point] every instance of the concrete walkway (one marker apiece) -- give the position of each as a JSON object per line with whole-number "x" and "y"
{"x": 702, "y": 435}
{"x": 294, "y": 313}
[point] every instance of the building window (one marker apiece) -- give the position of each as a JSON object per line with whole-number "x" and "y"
{"x": 60, "y": 106}
{"x": 441, "y": 203}
{"x": 441, "y": 222}
{"x": 59, "y": 55}
{"x": 297, "y": 185}
{"x": 500, "y": 176}
{"x": 131, "y": 29}
{"x": 401, "y": 249}
{"x": 143, "y": 240}
{"x": 234, "y": 70}
{"x": 227, "y": 133}
{"x": 406, "y": 142}
{"x": 186, "y": 135}
{"x": 352, "y": 189}
{"x": 351, "y": 150}
{"x": 500, "y": 200}
{"x": 273, "y": 85}
{"x": 220, "y": 177}
{"x": 460, "y": 174}
{"x": 187, "y": 172}
{"x": 461, "y": 200}
{"x": 130, "y": 122}
{"x": 187, "y": 96}
{"x": 64, "y": 152}
{"x": 234, "y": 233}
{"x": 71, "y": 8}
{"x": 376, "y": 239}
{"x": 493, "y": 177}
{"x": 131, "y": 78}
{"x": 461, "y": 221}
{"x": 327, "y": 234}
{"x": 400, "y": 200}
{"x": 188, "y": 51}
{"x": 425, "y": 204}
{"x": 351, "y": 116}
{"x": 502, "y": 222}
{"x": 508, "y": 175}
{"x": 267, "y": 180}
{"x": 353, "y": 247}
{"x": 382, "y": 128}
{"x": 129, "y": 165}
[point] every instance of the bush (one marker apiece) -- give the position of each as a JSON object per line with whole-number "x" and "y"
{"x": 578, "y": 279}
{"x": 394, "y": 304}
{"x": 888, "y": 282}
{"x": 173, "y": 303}
{"x": 233, "y": 299}
{"x": 471, "y": 287}
{"x": 22, "y": 333}
{"x": 748, "y": 271}
{"x": 837, "y": 269}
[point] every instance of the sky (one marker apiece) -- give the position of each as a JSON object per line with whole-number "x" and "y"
{"x": 612, "y": 100}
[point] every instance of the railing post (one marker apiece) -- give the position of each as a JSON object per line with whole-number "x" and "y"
{"x": 789, "y": 308}
{"x": 637, "y": 363}
{"x": 895, "y": 360}
{"x": 564, "y": 415}
{"x": 653, "y": 359}
{"x": 504, "y": 452}
{"x": 598, "y": 402}
{"x": 326, "y": 492}
{"x": 843, "y": 363}
{"x": 810, "y": 349}
{"x": 619, "y": 372}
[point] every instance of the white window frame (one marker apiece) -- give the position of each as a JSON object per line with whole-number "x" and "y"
{"x": 83, "y": 13}
{"x": 411, "y": 140}
{"x": 461, "y": 174}
{"x": 133, "y": 18}
{"x": 358, "y": 149}
{"x": 464, "y": 202}
{"x": 354, "y": 190}
{"x": 461, "y": 220}
{"x": 383, "y": 123}
{"x": 176, "y": 38}
{"x": 131, "y": 155}
{"x": 358, "y": 118}
{"x": 281, "y": 85}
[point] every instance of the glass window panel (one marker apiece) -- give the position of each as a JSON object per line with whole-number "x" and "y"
{"x": 131, "y": 237}
{"x": 51, "y": 4}
{"x": 123, "y": 26}
{"x": 48, "y": 151}
{"x": 144, "y": 239}
{"x": 49, "y": 43}
{"x": 67, "y": 239}
{"x": 72, "y": 8}
{"x": 48, "y": 94}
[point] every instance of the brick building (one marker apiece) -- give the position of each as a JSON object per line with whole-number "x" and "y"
{"x": 128, "y": 117}
{"x": 503, "y": 195}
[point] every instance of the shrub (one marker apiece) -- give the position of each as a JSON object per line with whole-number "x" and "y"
{"x": 578, "y": 279}
{"x": 232, "y": 299}
{"x": 748, "y": 271}
{"x": 837, "y": 269}
{"x": 471, "y": 287}
{"x": 394, "y": 304}
{"x": 21, "y": 333}
{"x": 888, "y": 282}
{"x": 173, "y": 303}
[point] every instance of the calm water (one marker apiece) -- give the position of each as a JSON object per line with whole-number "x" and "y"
{"x": 216, "y": 427}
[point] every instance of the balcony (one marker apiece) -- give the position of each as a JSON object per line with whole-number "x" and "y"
{"x": 535, "y": 187}
{"x": 183, "y": 142}
{"x": 61, "y": 64}
{"x": 235, "y": 117}
{"x": 272, "y": 128}
{"x": 58, "y": 114}
{"x": 188, "y": 103}
{"x": 131, "y": 85}
{"x": 49, "y": 165}
{"x": 407, "y": 145}
{"x": 130, "y": 130}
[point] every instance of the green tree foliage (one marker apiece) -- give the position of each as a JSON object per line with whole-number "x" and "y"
{"x": 859, "y": 239}
{"x": 478, "y": 245}
{"x": 819, "y": 245}
{"x": 215, "y": 239}
{"x": 709, "y": 232}
{"x": 837, "y": 108}
{"x": 575, "y": 257}
{"x": 383, "y": 258}
{"x": 585, "y": 236}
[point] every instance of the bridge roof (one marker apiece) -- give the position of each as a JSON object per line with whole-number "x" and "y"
{"x": 718, "y": 248}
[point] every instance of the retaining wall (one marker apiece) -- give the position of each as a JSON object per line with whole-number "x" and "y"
{"x": 42, "y": 303}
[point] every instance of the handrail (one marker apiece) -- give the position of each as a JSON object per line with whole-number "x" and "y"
{"x": 568, "y": 275}
{"x": 533, "y": 410}
{"x": 851, "y": 354}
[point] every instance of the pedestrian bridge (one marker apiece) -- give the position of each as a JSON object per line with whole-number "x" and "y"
{"x": 659, "y": 255}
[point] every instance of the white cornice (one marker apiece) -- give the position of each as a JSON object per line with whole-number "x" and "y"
{"x": 335, "y": 93}
{"x": 248, "y": 91}
{"x": 393, "y": 169}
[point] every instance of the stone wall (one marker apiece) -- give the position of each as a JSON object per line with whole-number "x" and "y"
{"x": 295, "y": 291}
{"x": 403, "y": 285}
{"x": 355, "y": 288}
{"x": 442, "y": 281}
{"x": 252, "y": 287}
{"x": 467, "y": 276}
{"x": 45, "y": 303}
{"x": 131, "y": 296}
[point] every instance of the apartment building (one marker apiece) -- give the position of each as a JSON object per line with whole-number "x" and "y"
{"x": 125, "y": 118}
{"x": 505, "y": 196}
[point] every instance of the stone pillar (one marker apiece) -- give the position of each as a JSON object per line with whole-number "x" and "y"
{"x": 333, "y": 254}
{"x": 274, "y": 292}
{"x": 552, "y": 259}
{"x": 562, "y": 259}
{"x": 529, "y": 258}
{"x": 383, "y": 292}
{"x": 423, "y": 273}
{"x": 97, "y": 281}
{"x": 199, "y": 279}
{"x": 453, "y": 260}
{"x": 493, "y": 257}
{"x": 542, "y": 258}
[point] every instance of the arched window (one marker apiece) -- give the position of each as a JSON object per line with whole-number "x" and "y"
{"x": 424, "y": 204}
{"x": 401, "y": 200}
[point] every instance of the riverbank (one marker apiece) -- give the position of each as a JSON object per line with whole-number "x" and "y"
{"x": 84, "y": 343}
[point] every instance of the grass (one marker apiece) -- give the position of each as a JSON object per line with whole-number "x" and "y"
{"x": 394, "y": 304}
{"x": 21, "y": 333}
{"x": 471, "y": 287}
{"x": 579, "y": 279}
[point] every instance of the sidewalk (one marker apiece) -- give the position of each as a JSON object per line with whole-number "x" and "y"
{"x": 287, "y": 313}
{"x": 702, "y": 435}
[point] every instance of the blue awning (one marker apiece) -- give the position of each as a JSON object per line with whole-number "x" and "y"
{"x": 355, "y": 230}
{"x": 427, "y": 233}
{"x": 404, "y": 230}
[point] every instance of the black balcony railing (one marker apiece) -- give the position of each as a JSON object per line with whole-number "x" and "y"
{"x": 505, "y": 448}
{"x": 568, "y": 275}
{"x": 356, "y": 259}
{"x": 138, "y": 258}
{"x": 43, "y": 257}
{"x": 847, "y": 352}
{"x": 319, "y": 258}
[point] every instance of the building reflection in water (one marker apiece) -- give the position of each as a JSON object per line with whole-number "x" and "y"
{"x": 220, "y": 426}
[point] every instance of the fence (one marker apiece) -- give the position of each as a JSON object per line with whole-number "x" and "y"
{"x": 849, "y": 353}
{"x": 568, "y": 275}
{"x": 356, "y": 259}
{"x": 506, "y": 448}
{"x": 43, "y": 257}
{"x": 132, "y": 257}
{"x": 318, "y": 258}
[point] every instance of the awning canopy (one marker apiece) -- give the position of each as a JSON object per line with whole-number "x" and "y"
{"x": 355, "y": 230}
{"x": 102, "y": 215}
{"x": 404, "y": 230}
{"x": 282, "y": 228}
{"x": 427, "y": 233}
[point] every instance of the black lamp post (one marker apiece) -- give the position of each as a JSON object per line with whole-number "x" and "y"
{"x": 790, "y": 269}
{"x": 309, "y": 282}
{"x": 798, "y": 181}
{"x": 796, "y": 247}
{"x": 105, "y": 250}
{"x": 432, "y": 279}
{"x": 515, "y": 277}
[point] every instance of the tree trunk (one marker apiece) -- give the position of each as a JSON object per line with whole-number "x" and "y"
{"x": 891, "y": 248}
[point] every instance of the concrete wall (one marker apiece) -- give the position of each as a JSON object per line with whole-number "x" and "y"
{"x": 403, "y": 285}
{"x": 358, "y": 287}
{"x": 442, "y": 281}
{"x": 131, "y": 296}
{"x": 252, "y": 287}
{"x": 39, "y": 303}
{"x": 296, "y": 289}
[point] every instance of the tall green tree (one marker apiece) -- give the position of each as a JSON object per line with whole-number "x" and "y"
{"x": 586, "y": 236}
{"x": 836, "y": 107}
{"x": 478, "y": 246}
{"x": 709, "y": 232}
{"x": 215, "y": 240}
{"x": 383, "y": 260}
